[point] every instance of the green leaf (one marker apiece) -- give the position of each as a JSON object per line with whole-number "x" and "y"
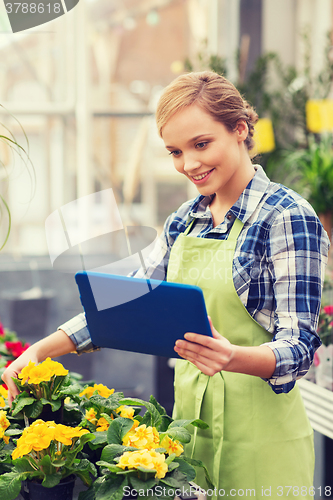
{"x": 137, "y": 484}
{"x": 55, "y": 405}
{"x": 21, "y": 403}
{"x": 13, "y": 432}
{"x": 184, "y": 423}
{"x": 117, "y": 430}
{"x": 165, "y": 422}
{"x": 161, "y": 410}
{"x": 22, "y": 465}
{"x": 71, "y": 390}
{"x": 186, "y": 469}
{"x": 198, "y": 463}
{"x": 114, "y": 450}
{"x": 10, "y": 485}
{"x": 89, "y": 494}
{"x": 107, "y": 465}
{"x": 46, "y": 465}
{"x": 100, "y": 438}
{"x": 176, "y": 479}
{"x": 111, "y": 488}
{"x": 51, "y": 480}
{"x": 180, "y": 434}
{"x": 34, "y": 410}
{"x": 112, "y": 402}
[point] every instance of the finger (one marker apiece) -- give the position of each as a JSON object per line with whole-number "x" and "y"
{"x": 12, "y": 389}
{"x": 209, "y": 370}
{"x": 189, "y": 350}
{"x": 215, "y": 333}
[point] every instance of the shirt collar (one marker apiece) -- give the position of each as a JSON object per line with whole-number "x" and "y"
{"x": 244, "y": 206}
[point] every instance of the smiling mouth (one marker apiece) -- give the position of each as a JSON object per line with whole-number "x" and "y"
{"x": 201, "y": 176}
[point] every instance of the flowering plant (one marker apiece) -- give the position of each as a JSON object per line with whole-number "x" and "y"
{"x": 10, "y": 346}
{"x": 47, "y": 383}
{"x": 46, "y": 452}
{"x": 325, "y": 325}
{"x": 145, "y": 453}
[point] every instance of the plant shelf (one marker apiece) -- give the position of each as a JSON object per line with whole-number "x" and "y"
{"x": 318, "y": 403}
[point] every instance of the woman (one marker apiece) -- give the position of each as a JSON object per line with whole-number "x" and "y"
{"x": 258, "y": 251}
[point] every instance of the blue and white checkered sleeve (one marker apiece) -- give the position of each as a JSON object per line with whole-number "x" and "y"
{"x": 77, "y": 330}
{"x": 298, "y": 250}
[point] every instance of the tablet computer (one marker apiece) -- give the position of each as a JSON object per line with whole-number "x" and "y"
{"x": 140, "y": 315}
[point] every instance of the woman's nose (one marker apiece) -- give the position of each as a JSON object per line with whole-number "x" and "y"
{"x": 191, "y": 164}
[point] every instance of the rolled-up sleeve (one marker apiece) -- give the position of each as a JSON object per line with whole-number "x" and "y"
{"x": 77, "y": 330}
{"x": 297, "y": 255}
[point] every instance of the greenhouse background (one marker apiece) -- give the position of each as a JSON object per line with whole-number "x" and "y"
{"x": 79, "y": 94}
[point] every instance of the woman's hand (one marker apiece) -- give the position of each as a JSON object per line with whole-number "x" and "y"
{"x": 209, "y": 355}
{"x": 56, "y": 344}
{"x": 14, "y": 369}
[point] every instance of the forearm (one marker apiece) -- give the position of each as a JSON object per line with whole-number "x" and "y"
{"x": 257, "y": 360}
{"x": 56, "y": 344}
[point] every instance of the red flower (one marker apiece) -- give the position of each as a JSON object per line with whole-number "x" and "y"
{"x": 16, "y": 348}
{"x": 328, "y": 310}
{"x": 2, "y": 330}
{"x": 9, "y": 362}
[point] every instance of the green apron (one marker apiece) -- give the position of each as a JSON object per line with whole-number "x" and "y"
{"x": 257, "y": 440}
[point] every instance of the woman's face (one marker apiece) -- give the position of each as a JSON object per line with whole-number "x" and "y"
{"x": 204, "y": 150}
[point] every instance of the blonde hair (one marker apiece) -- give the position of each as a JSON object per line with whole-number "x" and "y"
{"x": 214, "y": 94}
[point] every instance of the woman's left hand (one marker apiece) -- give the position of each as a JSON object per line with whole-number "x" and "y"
{"x": 209, "y": 355}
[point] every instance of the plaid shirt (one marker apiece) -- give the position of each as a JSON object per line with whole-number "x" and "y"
{"x": 278, "y": 269}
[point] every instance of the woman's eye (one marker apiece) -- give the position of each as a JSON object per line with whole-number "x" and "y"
{"x": 175, "y": 153}
{"x": 201, "y": 145}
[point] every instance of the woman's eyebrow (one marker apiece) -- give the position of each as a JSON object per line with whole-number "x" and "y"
{"x": 192, "y": 140}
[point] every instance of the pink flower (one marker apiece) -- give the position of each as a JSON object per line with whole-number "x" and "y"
{"x": 328, "y": 310}
{"x": 2, "y": 330}
{"x": 316, "y": 360}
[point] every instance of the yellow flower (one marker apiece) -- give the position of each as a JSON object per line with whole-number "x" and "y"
{"x": 4, "y": 422}
{"x": 56, "y": 368}
{"x": 125, "y": 411}
{"x": 172, "y": 446}
{"x": 65, "y": 434}
{"x": 24, "y": 375}
{"x": 144, "y": 458}
{"x": 91, "y": 416}
{"x": 101, "y": 389}
{"x": 40, "y": 436}
{"x": 35, "y": 374}
{"x": 142, "y": 437}
{"x": 103, "y": 425}
{"x": 159, "y": 465}
{"x": 3, "y": 392}
{"x": 20, "y": 451}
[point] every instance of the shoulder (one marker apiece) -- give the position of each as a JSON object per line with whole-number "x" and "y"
{"x": 289, "y": 219}
{"x": 279, "y": 202}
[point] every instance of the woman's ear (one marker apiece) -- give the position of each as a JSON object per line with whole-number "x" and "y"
{"x": 242, "y": 130}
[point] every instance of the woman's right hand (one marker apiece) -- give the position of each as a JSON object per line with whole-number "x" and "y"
{"x": 56, "y": 344}
{"x": 14, "y": 369}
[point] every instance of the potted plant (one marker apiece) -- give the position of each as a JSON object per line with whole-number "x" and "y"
{"x": 45, "y": 460}
{"x": 43, "y": 389}
{"x": 141, "y": 455}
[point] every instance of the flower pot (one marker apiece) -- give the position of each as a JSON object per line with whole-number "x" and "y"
{"x": 62, "y": 491}
{"x": 324, "y": 367}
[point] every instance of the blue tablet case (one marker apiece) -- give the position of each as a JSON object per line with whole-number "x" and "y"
{"x": 139, "y": 315}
